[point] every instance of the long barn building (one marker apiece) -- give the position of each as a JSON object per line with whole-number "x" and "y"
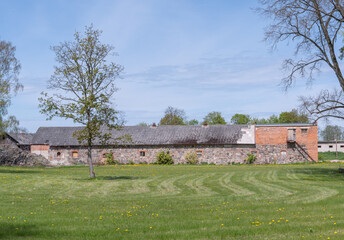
{"x": 218, "y": 144}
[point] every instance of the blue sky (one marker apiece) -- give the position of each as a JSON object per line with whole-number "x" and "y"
{"x": 200, "y": 56}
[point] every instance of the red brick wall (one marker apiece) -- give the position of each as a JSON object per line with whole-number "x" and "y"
{"x": 39, "y": 147}
{"x": 278, "y": 135}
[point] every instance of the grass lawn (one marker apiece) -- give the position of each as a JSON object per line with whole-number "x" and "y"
{"x": 330, "y": 156}
{"x": 173, "y": 202}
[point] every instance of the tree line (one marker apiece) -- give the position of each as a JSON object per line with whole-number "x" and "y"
{"x": 175, "y": 116}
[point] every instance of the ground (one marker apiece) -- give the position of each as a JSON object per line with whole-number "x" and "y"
{"x": 331, "y": 156}
{"x": 302, "y": 201}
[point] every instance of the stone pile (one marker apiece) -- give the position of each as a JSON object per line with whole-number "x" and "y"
{"x": 14, "y": 156}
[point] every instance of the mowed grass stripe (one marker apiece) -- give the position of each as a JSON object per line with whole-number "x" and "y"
{"x": 172, "y": 202}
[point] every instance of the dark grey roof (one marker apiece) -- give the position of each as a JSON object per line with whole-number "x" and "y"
{"x": 22, "y": 138}
{"x": 160, "y": 135}
{"x": 332, "y": 141}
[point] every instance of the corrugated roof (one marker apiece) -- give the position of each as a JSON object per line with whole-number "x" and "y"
{"x": 160, "y": 135}
{"x": 22, "y": 138}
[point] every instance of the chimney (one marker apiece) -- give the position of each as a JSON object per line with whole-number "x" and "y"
{"x": 153, "y": 125}
{"x": 205, "y": 124}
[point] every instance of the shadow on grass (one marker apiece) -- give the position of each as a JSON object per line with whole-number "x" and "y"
{"x": 8, "y": 230}
{"x": 324, "y": 174}
{"x": 111, "y": 178}
{"x": 16, "y": 171}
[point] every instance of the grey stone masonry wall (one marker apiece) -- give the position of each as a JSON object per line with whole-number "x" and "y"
{"x": 280, "y": 154}
{"x": 219, "y": 154}
{"x": 223, "y": 154}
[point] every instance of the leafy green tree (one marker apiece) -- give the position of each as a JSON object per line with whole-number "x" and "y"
{"x": 332, "y": 132}
{"x": 173, "y": 116}
{"x": 192, "y": 122}
{"x": 9, "y": 85}
{"x": 214, "y": 118}
{"x": 240, "y": 119}
{"x": 82, "y": 86}
{"x": 142, "y": 124}
{"x": 293, "y": 117}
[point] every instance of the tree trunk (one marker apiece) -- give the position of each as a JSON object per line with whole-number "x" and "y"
{"x": 89, "y": 159}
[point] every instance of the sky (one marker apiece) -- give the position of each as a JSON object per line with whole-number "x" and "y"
{"x": 199, "y": 56}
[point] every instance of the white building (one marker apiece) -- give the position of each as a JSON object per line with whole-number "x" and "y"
{"x": 330, "y": 146}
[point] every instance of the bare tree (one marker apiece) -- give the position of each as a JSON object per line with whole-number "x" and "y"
{"x": 326, "y": 104}
{"x": 315, "y": 26}
{"x": 83, "y": 85}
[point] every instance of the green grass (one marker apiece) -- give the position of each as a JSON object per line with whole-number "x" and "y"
{"x": 330, "y": 156}
{"x": 173, "y": 202}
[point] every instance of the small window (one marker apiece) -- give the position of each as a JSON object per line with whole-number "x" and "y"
{"x": 142, "y": 153}
{"x": 59, "y": 154}
{"x": 342, "y": 146}
{"x": 199, "y": 153}
{"x": 304, "y": 131}
{"x": 75, "y": 154}
{"x": 319, "y": 146}
{"x": 331, "y": 146}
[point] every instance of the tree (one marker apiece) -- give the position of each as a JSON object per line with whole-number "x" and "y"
{"x": 82, "y": 87}
{"x": 324, "y": 105}
{"x": 332, "y": 132}
{"x": 314, "y": 25}
{"x": 293, "y": 117}
{"x": 173, "y": 116}
{"x": 214, "y": 118}
{"x": 240, "y": 119}
{"x": 192, "y": 122}
{"x": 142, "y": 124}
{"x": 9, "y": 85}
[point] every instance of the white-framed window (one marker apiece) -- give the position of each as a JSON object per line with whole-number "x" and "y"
{"x": 142, "y": 153}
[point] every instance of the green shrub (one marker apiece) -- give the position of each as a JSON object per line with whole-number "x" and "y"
{"x": 164, "y": 158}
{"x": 204, "y": 163}
{"x": 251, "y": 158}
{"x": 191, "y": 158}
{"x": 110, "y": 160}
{"x": 131, "y": 162}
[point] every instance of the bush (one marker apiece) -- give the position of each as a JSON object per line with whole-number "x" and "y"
{"x": 204, "y": 163}
{"x": 191, "y": 158}
{"x": 110, "y": 160}
{"x": 250, "y": 158}
{"x": 164, "y": 158}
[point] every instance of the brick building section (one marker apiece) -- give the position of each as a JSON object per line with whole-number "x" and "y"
{"x": 273, "y": 146}
{"x": 41, "y": 150}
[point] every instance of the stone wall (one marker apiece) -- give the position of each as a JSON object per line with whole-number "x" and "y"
{"x": 223, "y": 154}
{"x": 280, "y": 154}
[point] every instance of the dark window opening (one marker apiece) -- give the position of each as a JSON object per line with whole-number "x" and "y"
{"x": 58, "y": 154}
{"x": 199, "y": 153}
{"x": 142, "y": 153}
{"x": 304, "y": 131}
{"x": 319, "y": 146}
{"x": 330, "y": 146}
